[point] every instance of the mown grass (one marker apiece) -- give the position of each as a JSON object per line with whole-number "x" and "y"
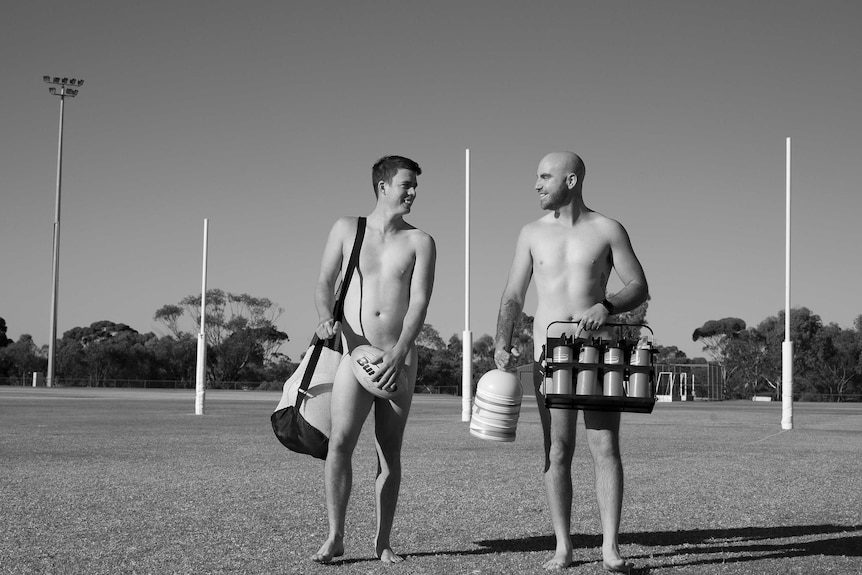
{"x": 123, "y": 481}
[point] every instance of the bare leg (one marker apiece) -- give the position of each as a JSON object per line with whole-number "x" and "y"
{"x": 603, "y": 438}
{"x": 558, "y": 484}
{"x": 390, "y": 418}
{"x": 350, "y": 407}
{"x": 558, "y": 427}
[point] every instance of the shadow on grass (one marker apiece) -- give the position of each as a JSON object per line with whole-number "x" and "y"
{"x": 707, "y": 546}
{"x": 700, "y": 546}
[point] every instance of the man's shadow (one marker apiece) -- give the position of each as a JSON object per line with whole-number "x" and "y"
{"x": 745, "y": 543}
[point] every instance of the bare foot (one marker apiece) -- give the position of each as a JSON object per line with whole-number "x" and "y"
{"x": 559, "y": 561}
{"x": 388, "y": 556}
{"x": 612, "y": 560}
{"x": 331, "y": 548}
{"x": 618, "y": 566}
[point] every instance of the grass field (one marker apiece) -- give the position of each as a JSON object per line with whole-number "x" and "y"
{"x": 99, "y": 481}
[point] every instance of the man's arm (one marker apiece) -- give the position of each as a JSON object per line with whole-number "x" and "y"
{"x": 634, "y": 291}
{"x": 330, "y": 267}
{"x": 421, "y": 285}
{"x": 512, "y": 302}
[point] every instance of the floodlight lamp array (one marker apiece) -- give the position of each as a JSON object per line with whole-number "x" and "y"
{"x": 63, "y": 81}
{"x": 65, "y": 86}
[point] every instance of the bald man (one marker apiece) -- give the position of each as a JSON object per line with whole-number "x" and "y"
{"x": 571, "y": 252}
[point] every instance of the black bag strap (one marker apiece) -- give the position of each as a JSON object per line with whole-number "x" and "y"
{"x": 337, "y": 313}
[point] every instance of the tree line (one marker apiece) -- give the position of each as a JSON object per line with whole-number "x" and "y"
{"x": 243, "y": 345}
{"x": 827, "y": 359}
{"x": 242, "y": 341}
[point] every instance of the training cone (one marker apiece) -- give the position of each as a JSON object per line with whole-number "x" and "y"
{"x": 496, "y": 406}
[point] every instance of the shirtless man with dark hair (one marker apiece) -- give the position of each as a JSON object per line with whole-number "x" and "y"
{"x": 385, "y": 307}
{"x": 571, "y": 252}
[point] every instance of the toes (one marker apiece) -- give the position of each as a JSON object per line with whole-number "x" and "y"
{"x": 389, "y": 556}
{"x": 327, "y": 552}
{"x": 622, "y": 566}
{"x": 320, "y": 558}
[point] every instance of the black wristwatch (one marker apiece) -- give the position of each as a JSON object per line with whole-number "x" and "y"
{"x": 608, "y": 306}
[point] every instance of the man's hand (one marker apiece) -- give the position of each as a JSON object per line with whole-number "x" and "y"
{"x": 504, "y": 359}
{"x": 328, "y": 328}
{"x": 592, "y": 319}
{"x": 390, "y": 363}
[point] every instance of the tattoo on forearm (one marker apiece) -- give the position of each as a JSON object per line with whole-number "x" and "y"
{"x": 509, "y": 312}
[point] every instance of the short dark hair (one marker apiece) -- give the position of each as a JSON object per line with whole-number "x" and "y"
{"x": 386, "y": 167}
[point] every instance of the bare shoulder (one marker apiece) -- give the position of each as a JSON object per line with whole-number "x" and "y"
{"x": 532, "y": 235}
{"x": 536, "y": 227}
{"x": 609, "y": 227}
{"x": 345, "y": 226}
{"x": 420, "y": 239}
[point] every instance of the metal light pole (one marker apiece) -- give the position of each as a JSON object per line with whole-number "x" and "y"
{"x": 65, "y": 88}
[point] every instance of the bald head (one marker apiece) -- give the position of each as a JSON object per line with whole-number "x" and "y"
{"x": 559, "y": 179}
{"x": 564, "y": 163}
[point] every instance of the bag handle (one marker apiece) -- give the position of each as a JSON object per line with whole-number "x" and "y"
{"x": 337, "y": 312}
{"x": 609, "y": 324}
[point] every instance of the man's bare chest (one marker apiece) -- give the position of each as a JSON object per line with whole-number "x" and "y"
{"x": 386, "y": 259}
{"x": 571, "y": 254}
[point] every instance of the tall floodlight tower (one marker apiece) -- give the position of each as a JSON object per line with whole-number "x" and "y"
{"x": 787, "y": 344}
{"x": 467, "y": 336}
{"x": 64, "y": 88}
{"x": 201, "y": 368}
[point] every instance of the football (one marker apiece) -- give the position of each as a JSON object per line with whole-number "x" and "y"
{"x": 364, "y": 370}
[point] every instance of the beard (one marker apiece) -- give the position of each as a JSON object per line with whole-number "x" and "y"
{"x": 554, "y": 200}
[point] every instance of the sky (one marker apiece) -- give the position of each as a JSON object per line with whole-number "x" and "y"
{"x": 265, "y": 117}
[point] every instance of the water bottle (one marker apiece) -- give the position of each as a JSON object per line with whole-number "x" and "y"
{"x": 639, "y": 380}
{"x": 613, "y": 377}
{"x": 588, "y": 374}
{"x": 562, "y": 378}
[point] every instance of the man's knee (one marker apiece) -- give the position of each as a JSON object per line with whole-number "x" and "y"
{"x": 343, "y": 438}
{"x": 603, "y": 433}
{"x": 341, "y": 445}
{"x": 560, "y": 452}
{"x": 389, "y": 460}
{"x": 603, "y": 444}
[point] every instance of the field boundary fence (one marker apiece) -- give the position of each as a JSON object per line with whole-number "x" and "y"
{"x": 39, "y": 381}
{"x": 700, "y": 382}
